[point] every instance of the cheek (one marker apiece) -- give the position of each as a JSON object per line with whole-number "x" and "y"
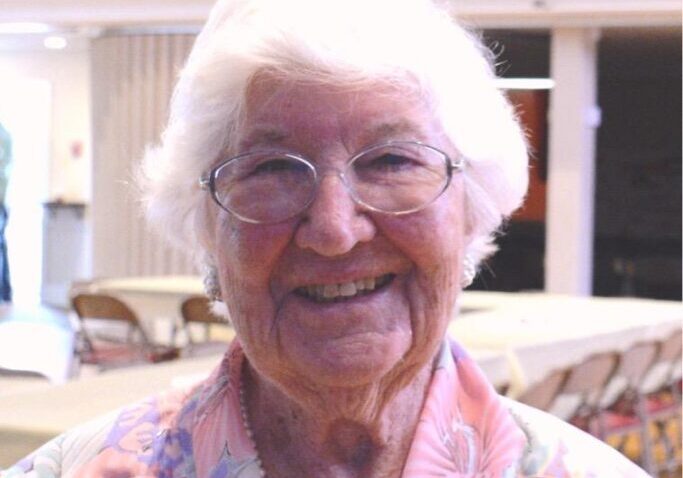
{"x": 249, "y": 250}
{"x": 246, "y": 255}
{"x": 433, "y": 239}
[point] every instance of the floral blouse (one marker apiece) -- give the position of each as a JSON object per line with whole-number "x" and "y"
{"x": 465, "y": 430}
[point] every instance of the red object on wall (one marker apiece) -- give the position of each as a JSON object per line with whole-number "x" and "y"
{"x": 76, "y": 149}
{"x": 532, "y": 108}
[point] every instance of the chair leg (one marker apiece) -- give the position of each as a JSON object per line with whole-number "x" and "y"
{"x": 669, "y": 448}
{"x": 600, "y": 425}
{"x": 647, "y": 452}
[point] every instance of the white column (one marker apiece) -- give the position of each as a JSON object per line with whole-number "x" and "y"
{"x": 573, "y": 120}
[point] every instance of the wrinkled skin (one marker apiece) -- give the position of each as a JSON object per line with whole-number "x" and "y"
{"x": 361, "y": 360}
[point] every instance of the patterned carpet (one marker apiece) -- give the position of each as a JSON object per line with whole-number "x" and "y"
{"x": 633, "y": 448}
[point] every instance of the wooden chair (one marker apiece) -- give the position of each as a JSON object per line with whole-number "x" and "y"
{"x": 542, "y": 394}
{"x": 107, "y": 350}
{"x": 587, "y": 380}
{"x": 196, "y": 310}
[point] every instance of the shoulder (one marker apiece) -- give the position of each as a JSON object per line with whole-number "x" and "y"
{"x": 556, "y": 448}
{"x": 141, "y": 440}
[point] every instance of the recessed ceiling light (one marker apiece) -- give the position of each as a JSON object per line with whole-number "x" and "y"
{"x": 55, "y": 42}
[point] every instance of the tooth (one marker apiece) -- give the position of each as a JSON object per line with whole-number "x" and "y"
{"x": 347, "y": 289}
{"x": 330, "y": 291}
{"x": 360, "y": 285}
{"x": 369, "y": 283}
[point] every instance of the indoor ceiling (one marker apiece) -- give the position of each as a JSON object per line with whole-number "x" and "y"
{"x": 81, "y": 19}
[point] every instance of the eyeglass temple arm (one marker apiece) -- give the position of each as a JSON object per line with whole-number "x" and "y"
{"x": 454, "y": 165}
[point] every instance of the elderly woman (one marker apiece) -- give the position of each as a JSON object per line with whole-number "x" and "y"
{"x": 341, "y": 168}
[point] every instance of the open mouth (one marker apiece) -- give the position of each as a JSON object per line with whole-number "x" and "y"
{"x": 343, "y": 291}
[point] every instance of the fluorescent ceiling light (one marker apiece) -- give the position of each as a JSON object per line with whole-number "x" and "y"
{"x": 55, "y": 42}
{"x": 525, "y": 83}
{"x": 24, "y": 27}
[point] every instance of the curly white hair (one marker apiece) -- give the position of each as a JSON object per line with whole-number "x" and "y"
{"x": 414, "y": 45}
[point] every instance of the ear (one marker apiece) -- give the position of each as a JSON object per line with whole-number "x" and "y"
{"x": 205, "y": 227}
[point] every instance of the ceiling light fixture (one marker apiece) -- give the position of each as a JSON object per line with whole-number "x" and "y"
{"x": 55, "y": 43}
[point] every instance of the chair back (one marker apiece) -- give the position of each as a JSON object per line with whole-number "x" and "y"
{"x": 636, "y": 361}
{"x": 198, "y": 309}
{"x": 102, "y": 306}
{"x": 587, "y": 382}
{"x": 589, "y": 377}
{"x": 592, "y": 373}
{"x": 105, "y": 307}
{"x": 670, "y": 349}
{"x": 666, "y": 367}
{"x": 108, "y": 351}
{"x": 634, "y": 364}
{"x": 542, "y": 394}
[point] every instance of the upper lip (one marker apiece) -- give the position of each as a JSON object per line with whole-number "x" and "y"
{"x": 314, "y": 274}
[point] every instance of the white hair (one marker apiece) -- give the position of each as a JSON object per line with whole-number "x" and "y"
{"x": 414, "y": 45}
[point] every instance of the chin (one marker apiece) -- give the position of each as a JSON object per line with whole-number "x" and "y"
{"x": 350, "y": 361}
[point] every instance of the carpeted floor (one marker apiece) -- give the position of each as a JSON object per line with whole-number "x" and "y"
{"x": 13, "y": 445}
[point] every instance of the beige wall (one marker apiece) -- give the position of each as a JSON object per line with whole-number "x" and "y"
{"x": 68, "y": 72}
{"x": 132, "y": 79}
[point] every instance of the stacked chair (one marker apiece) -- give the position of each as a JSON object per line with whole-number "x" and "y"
{"x": 108, "y": 350}
{"x": 542, "y": 395}
{"x": 650, "y": 405}
{"x": 635, "y": 393}
{"x": 588, "y": 380}
{"x": 623, "y": 412}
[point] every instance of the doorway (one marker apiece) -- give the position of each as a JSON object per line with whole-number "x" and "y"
{"x": 25, "y": 108}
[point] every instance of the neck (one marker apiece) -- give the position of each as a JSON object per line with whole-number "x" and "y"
{"x": 360, "y": 431}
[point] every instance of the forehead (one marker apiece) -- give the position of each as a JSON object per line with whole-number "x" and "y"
{"x": 282, "y": 112}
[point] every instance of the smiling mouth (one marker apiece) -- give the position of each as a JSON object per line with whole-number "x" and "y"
{"x": 345, "y": 290}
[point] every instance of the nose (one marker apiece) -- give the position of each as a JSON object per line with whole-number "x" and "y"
{"x": 333, "y": 224}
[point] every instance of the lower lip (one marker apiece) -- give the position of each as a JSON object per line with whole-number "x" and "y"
{"x": 366, "y": 311}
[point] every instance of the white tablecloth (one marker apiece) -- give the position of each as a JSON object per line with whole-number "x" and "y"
{"x": 516, "y": 337}
{"x": 541, "y": 332}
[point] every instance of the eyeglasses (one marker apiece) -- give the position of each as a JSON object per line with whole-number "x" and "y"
{"x": 266, "y": 187}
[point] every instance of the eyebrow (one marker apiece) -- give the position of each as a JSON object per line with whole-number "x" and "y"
{"x": 394, "y": 129}
{"x": 263, "y": 137}
{"x": 271, "y": 136}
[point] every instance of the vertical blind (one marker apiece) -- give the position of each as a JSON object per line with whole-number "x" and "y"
{"x": 132, "y": 79}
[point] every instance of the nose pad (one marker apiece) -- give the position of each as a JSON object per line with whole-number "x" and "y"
{"x": 333, "y": 224}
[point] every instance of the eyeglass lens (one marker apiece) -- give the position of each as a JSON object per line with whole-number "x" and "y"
{"x": 392, "y": 178}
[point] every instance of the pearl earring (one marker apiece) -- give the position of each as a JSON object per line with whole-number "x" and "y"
{"x": 212, "y": 287}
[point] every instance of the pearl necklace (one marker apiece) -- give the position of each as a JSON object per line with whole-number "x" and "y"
{"x": 245, "y": 422}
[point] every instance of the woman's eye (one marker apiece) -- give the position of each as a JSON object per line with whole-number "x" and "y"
{"x": 275, "y": 166}
{"x": 389, "y": 162}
